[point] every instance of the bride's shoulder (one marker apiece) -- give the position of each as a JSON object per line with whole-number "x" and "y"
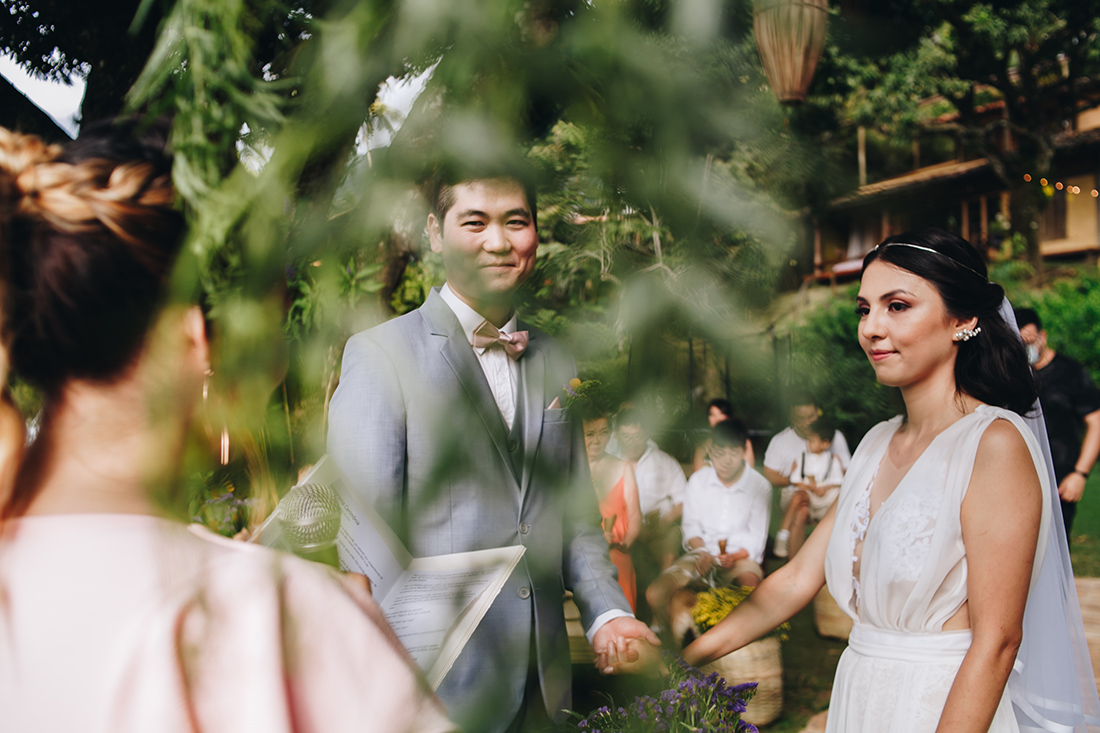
{"x": 886, "y": 427}
{"x": 875, "y": 436}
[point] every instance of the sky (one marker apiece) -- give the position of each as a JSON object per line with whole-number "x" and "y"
{"x": 58, "y": 100}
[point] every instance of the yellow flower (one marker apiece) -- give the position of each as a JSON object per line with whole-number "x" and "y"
{"x": 574, "y": 383}
{"x": 713, "y": 605}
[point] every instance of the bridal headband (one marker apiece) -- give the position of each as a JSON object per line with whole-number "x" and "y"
{"x": 933, "y": 251}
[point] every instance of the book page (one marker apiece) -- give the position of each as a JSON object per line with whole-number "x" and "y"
{"x": 426, "y": 605}
{"x": 433, "y": 604}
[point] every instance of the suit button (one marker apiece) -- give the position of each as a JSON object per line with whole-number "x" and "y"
{"x": 524, "y": 592}
{"x": 524, "y": 528}
{"x": 512, "y": 445}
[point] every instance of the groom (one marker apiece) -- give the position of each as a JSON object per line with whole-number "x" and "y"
{"x": 449, "y": 420}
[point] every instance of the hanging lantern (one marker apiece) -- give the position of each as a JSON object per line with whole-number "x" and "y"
{"x": 790, "y": 35}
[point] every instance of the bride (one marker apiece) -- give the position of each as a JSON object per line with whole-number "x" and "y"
{"x": 943, "y": 524}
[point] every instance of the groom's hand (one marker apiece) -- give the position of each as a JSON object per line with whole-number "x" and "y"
{"x": 622, "y": 641}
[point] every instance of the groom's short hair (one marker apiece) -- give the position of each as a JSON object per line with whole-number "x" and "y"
{"x": 440, "y": 188}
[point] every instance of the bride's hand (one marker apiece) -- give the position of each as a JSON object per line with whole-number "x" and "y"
{"x": 634, "y": 656}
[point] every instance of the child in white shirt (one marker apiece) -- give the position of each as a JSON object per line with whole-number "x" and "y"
{"x": 815, "y": 484}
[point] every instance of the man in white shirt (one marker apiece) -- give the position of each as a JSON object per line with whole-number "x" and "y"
{"x": 661, "y": 483}
{"x": 448, "y": 420}
{"x": 786, "y": 448}
{"x": 727, "y": 508}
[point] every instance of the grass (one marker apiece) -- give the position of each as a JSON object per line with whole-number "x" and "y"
{"x": 1084, "y": 546}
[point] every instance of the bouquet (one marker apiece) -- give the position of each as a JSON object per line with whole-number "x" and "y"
{"x": 711, "y": 606}
{"x": 692, "y": 702}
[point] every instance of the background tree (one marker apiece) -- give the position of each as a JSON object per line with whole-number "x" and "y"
{"x": 1009, "y": 76}
{"x": 99, "y": 42}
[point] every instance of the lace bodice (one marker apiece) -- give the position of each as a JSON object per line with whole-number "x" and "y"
{"x": 905, "y": 568}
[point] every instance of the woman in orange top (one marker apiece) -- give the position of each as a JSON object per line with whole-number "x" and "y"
{"x": 613, "y": 479}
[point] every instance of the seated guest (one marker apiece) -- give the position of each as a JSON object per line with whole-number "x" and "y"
{"x": 660, "y": 482}
{"x": 727, "y": 508}
{"x": 815, "y": 485}
{"x": 613, "y": 479}
{"x": 718, "y": 410}
{"x": 114, "y": 617}
{"x": 786, "y": 448}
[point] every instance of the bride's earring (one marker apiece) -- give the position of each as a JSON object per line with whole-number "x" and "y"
{"x": 965, "y": 334}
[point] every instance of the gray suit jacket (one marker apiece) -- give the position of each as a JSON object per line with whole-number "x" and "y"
{"x": 415, "y": 427}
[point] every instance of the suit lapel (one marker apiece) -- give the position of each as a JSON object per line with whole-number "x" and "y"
{"x": 458, "y": 354}
{"x": 532, "y": 369}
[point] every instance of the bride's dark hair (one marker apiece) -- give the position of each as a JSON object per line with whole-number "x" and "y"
{"x": 992, "y": 366}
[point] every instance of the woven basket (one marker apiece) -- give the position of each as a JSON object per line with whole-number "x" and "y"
{"x": 580, "y": 651}
{"x": 829, "y": 620}
{"x": 760, "y": 662}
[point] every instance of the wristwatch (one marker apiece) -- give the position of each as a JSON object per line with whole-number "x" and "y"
{"x": 1085, "y": 474}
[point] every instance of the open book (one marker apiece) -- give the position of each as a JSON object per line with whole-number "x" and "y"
{"x": 433, "y": 603}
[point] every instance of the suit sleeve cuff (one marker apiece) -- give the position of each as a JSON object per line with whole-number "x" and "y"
{"x": 602, "y": 619}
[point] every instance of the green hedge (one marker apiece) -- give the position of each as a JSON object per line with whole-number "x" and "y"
{"x": 827, "y": 360}
{"x": 1069, "y": 307}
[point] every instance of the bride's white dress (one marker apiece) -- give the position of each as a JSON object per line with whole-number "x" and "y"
{"x": 899, "y": 665}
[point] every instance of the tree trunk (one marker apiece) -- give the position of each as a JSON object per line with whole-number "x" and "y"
{"x": 1026, "y": 210}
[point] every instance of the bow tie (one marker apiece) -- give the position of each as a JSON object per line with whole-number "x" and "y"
{"x": 487, "y": 335}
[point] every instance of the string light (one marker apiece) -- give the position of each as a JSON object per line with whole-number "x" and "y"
{"x": 1058, "y": 185}
{"x": 1095, "y": 193}
{"x": 1027, "y": 177}
{"x": 1042, "y": 181}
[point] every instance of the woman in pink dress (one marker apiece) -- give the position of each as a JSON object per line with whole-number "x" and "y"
{"x": 613, "y": 479}
{"x": 113, "y": 617}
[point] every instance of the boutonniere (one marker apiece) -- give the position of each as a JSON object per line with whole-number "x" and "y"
{"x": 577, "y": 391}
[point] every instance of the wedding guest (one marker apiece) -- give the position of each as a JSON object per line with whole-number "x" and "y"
{"x": 718, "y": 410}
{"x": 942, "y": 533}
{"x": 815, "y": 485}
{"x": 661, "y": 483}
{"x": 115, "y": 617}
{"x": 789, "y": 444}
{"x": 1070, "y": 402}
{"x": 613, "y": 479}
{"x": 726, "y": 513}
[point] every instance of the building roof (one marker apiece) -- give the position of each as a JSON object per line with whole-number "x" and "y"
{"x": 954, "y": 170}
{"x": 920, "y": 177}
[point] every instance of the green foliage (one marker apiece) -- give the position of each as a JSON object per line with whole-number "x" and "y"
{"x": 828, "y": 361}
{"x": 418, "y": 279}
{"x": 647, "y": 126}
{"x": 1070, "y": 310}
{"x": 939, "y": 65}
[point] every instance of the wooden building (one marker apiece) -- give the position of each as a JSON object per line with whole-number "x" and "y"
{"x": 964, "y": 196}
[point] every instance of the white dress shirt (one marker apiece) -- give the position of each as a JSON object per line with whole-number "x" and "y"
{"x": 501, "y": 371}
{"x": 738, "y": 514}
{"x": 786, "y": 449}
{"x": 660, "y": 480}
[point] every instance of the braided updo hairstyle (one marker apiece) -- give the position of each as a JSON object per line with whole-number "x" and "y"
{"x": 89, "y": 235}
{"x": 991, "y": 367}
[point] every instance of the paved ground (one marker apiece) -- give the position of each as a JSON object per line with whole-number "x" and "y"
{"x": 1088, "y": 593}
